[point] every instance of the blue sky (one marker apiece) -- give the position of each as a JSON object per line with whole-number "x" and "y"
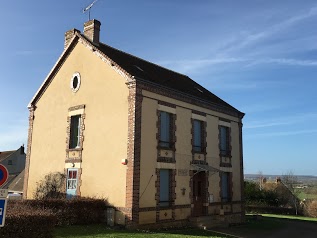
{"x": 258, "y": 55}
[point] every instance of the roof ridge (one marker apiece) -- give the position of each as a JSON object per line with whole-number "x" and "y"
{"x": 7, "y": 151}
{"x": 144, "y": 60}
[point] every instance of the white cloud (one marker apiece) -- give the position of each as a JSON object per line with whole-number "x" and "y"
{"x": 284, "y": 61}
{"x": 283, "y": 133}
{"x": 289, "y": 120}
{"x": 194, "y": 65}
{"x": 190, "y": 66}
{"x": 249, "y": 39}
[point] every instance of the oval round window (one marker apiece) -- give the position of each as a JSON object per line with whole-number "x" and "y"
{"x": 75, "y": 82}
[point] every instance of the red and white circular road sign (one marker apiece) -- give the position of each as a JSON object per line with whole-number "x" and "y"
{"x": 4, "y": 174}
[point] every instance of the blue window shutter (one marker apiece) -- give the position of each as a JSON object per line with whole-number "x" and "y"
{"x": 223, "y": 139}
{"x": 164, "y": 187}
{"x": 165, "y": 137}
{"x": 197, "y": 136}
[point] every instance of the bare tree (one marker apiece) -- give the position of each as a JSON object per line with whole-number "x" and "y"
{"x": 260, "y": 179}
{"x": 51, "y": 186}
{"x": 290, "y": 181}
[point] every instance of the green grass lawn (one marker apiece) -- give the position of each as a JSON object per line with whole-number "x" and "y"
{"x": 290, "y": 217}
{"x": 101, "y": 231}
{"x": 263, "y": 227}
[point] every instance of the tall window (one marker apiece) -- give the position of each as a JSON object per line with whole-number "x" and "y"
{"x": 225, "y": 187}
{"x": 224, "y": 141}
{"x": 165, "y": 187}
{"x": 198, "y": 136}
{"x": 165, "y": 130}
{"x": 74, "y": 132}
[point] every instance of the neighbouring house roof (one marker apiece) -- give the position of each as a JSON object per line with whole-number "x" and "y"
{"x": 138, "y": 68}
{"x": 5, "y": 154}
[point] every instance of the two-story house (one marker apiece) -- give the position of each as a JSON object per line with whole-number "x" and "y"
{"x": 160, "y": 147}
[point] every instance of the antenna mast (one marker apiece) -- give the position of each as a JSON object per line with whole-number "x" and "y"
{"x": 88, "y": 8}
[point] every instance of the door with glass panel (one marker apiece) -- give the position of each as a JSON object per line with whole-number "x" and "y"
{"x": 199, "y": 193}
{"x": 71, "y": 183}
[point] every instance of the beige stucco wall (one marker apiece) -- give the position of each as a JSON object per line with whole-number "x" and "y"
{"x": 213, "y": 157}
{"x": 104, "y": 93}
{"x": 182, "y": 213}
{"x": 147, "y": 217}
{"x": 183, "y": 154}
{"x": 183, "y": 150}
{"x": 148, "y": 152}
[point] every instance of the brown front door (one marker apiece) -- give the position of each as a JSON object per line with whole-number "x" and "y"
{"x": 199, "y": 193}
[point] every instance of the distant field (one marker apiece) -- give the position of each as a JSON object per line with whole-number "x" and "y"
{"x": 308, "y": 193}
{"x": 304, "y": 195}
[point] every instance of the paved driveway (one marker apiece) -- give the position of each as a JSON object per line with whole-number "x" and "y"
{"x": 277, "y": 228}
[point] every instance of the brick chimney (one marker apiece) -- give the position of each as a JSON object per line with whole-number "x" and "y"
{"x": 92, "y": 30}
{"x": 22, "y": 150}
{"x": 69, "y": 36}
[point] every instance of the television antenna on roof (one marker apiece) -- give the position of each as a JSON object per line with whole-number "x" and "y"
{"x": 88, "y": 8}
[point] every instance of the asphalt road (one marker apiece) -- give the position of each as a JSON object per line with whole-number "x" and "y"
{"x": 289, "y": 229}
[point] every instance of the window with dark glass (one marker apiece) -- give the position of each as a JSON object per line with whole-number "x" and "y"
{"x": 75, "y": 82}
{"x": 224, "y": 141}
{"x": 198, "y": 133}
{"x": 165, "y": 130}
{"x": 225, "y": 187}
{"x": 74, "y": 141}
{"x": 164, "y": 187}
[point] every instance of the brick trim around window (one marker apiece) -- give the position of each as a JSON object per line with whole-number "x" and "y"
{"x": 172, "y": 130}
{"x": 230, "y": 188}
{"x": 79, "y": 181}
{"x": 168, "y": 104}
{"x": 172, "y": 194}
{"x": 203, "y": 142}
{"x": 74, "y": 155}
{"x": 229, "y": 146}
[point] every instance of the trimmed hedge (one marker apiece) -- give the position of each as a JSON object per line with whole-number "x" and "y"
{"x": 25, "y": 222}
{"x": 77, "y": 211}
{"x": 37, "y": 218}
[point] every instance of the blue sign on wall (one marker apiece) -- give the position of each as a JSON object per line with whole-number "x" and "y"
{"x": 3, "y": 206}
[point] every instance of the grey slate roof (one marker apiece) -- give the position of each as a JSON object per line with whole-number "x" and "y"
{"x": 5, "y": 154}
{"x": 153, "y": 73}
